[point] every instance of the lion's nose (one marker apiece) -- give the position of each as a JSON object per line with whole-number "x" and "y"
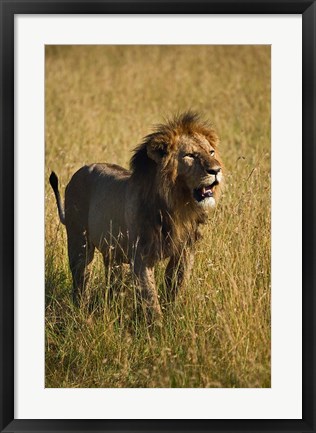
{"x": 213, "y": 170}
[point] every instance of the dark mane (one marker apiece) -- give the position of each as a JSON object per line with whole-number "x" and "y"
{"x": 165, "y": 202}
{"x": 140, "y": 163}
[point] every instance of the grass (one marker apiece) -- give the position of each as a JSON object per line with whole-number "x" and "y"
{"x": 100, "y": 102}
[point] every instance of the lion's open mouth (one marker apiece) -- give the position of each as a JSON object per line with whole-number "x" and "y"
{"x": 204, "y": 192}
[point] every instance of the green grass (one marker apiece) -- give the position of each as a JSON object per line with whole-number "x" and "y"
{"x": 100, "y": 102}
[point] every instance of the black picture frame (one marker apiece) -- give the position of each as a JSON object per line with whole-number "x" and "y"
{"x": 8, "y": 9}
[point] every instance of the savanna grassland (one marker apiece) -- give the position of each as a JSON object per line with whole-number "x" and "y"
{"x": 100, "y": 102}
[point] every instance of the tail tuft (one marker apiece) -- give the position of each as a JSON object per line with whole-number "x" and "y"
{"x": 53, "y": 180}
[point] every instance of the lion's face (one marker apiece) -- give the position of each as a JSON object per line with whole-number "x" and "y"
{"x": 182, "y": 157}
{"x": 199, "y": 168}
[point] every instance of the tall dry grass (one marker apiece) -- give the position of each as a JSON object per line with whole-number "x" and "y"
{"x": 100, "y": 102}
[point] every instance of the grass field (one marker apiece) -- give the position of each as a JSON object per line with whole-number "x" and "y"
{"x": 100, "y": 102}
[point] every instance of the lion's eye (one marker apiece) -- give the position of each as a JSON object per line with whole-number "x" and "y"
{"x": 212, "y": 152}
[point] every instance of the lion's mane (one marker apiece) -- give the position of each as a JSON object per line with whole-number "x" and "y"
{"x": 173, "y": 212}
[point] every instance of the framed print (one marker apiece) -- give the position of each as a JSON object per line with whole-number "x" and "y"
{"x": 157, "y": 216}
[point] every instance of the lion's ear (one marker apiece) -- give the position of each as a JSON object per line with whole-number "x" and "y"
{"x": 156, "y": 151}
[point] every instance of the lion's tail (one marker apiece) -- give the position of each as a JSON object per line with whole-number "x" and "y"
{"x": 53, "y": 180}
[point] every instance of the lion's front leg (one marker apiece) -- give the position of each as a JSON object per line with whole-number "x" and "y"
{"x": 146, "y": 292}
{"x": 177, "y": 273}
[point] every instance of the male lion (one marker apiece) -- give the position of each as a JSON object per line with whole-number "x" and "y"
{"x": 146, "y": 214}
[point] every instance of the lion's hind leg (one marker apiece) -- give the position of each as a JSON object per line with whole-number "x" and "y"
{"x": 80, "y": 253}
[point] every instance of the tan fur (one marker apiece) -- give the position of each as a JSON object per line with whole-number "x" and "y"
{"x": 146, "y": 214}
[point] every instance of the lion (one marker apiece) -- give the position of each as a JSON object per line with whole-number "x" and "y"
{"x": 148, "y": 213}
